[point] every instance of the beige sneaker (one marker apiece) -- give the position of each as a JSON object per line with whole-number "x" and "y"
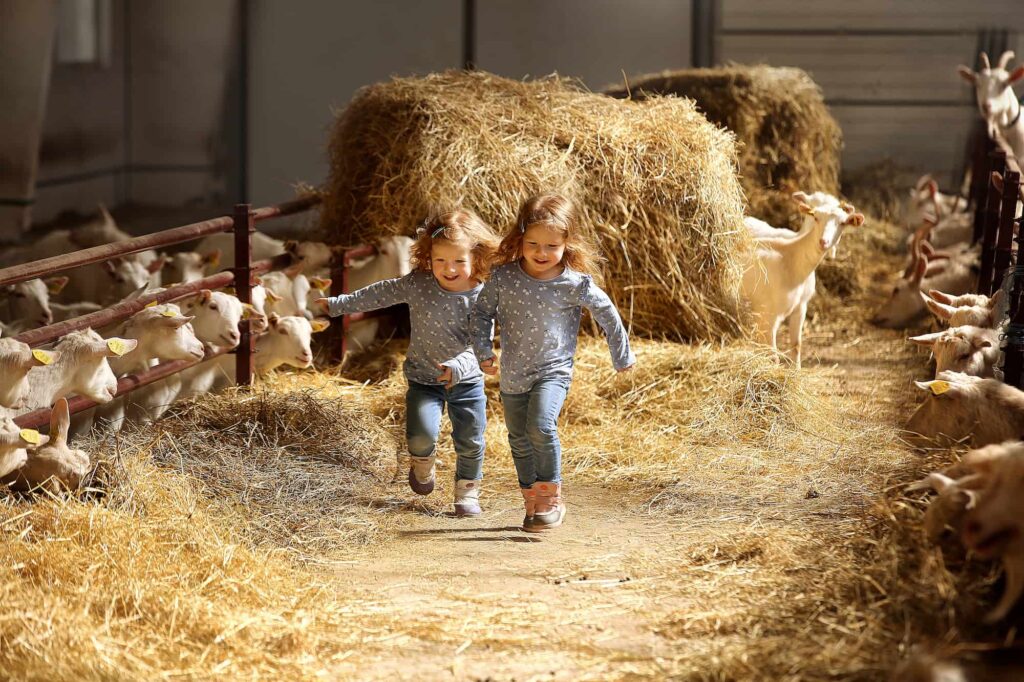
{"x": 467, "y": 498}
{"x": 421, "y": 474}
{"x": 548, "y": 510}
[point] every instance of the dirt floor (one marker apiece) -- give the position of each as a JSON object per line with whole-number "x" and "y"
{"x": 634, "y": 585}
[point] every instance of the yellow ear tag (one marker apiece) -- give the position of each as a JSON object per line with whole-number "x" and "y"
{"x": 42, "y": 356}
{"x": 117, "y": 347}
{"x": 939, "y": 387}
{"x": 169, "y": 313}
{"x": 30, "y": 436}
{"x": 151, "y": 304}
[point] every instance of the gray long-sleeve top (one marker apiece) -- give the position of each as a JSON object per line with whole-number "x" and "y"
{"x": 439, "y": 320}
{"x": 540, "y": 322}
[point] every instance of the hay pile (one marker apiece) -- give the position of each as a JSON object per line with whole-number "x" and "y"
{"x": 656, "y": 182}
{"x": 789, "y": 139}
{"x": 187, "y": 568}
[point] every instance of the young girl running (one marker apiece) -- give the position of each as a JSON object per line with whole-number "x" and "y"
{"x": 451, "y": 257}
{"x": 536, "y": 297}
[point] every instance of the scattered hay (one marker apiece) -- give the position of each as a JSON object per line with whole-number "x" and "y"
{"x": 295, "y": 466}
{"x": 789, "y": 139}
{"x": 655, "y": 182}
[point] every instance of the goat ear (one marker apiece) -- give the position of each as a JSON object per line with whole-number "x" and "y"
{"x": 177, "y": 321}
{"x": 60, "y": 419}
{"x": 290, "y": 245}
{"x": 855, "y": 220}
{"x": 32, "y": 437}
{"x": 995, "y": 299}
{"x": 1015, "y": 75}
{"x": 806, "y": 209}
{"x": 115, "y": 347}
{"x": 320, "y": 283}
{"x": 939, "y": 296}
{"x": 922, "y": 182}
{"x": 319, "y": 324}
{"x": 273, "y": 319}
{"x": 157, "y": 264}
{"x": 940, "y": 310}
{"x": 212, "y": 259}
{"x": 967, "y": 74}
{"x": 982, "y": 342}
{"x": 800, "y": 197}
{"x": 271, "y": 296}
{"x": 937, "y": 387}
{"x": 55, "y": 285}
{"x": 204, "y": 296}
{"x": 105, "y": 214}
{"x": 925, "y": 339}
{"x": 248, "y": 311}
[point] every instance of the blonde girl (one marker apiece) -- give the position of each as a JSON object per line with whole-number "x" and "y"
{"x": 451, "y": 258}
{"x": 537, "y": 297}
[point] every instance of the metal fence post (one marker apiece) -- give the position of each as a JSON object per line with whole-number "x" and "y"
{"x": 990, "y": 222}
{"x": 1004, "y": 237}
{"x": 243, "y": 226}
{"x": 1013, "y": 348}
{"x": 980, "y": 174}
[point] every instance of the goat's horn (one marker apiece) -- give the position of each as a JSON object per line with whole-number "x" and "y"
{"x": 984, "y": 61}
{"x": 1004, "y": 59}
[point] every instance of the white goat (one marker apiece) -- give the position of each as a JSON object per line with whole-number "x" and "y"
{"x": 28, "y": 303}
{"x": 997, "y": 102}
{"x": 926, "y": 201}
{"x": 971, "y": 350}
{"x": 13, "y": 441}
{"x": 392, "y": 260}
{"x": 962, "y": 407}
{"x": 287, "y": 342}
{"x": 80, "y": 366}
{"x": 16, "y": 359}
{"x": 905, "y": 306}
{"x": 189, "y": 266}
{"x": 975, "y": 310}
{"x": 163, "y": 334}
{"x": 779, "y": 282}
{"x": 994, "y": 525}
{"x": 52, "y": 465}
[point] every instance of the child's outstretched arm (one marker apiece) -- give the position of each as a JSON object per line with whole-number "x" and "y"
{"x": 378, "y": 295}
{"x": 481, "y": 326}
{"x": 601, "y": 307}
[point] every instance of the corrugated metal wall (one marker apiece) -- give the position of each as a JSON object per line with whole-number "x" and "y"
{"x": 888, "y": 69}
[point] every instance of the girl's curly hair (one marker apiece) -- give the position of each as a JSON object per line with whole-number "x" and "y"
{"x": 559, "y": 213}
{"x": 459, "y": 226}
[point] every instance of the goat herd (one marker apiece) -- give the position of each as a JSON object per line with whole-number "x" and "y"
{"x": 89, "y": 362}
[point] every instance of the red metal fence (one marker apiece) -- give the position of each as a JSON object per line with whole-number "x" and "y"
{"x": 242, "y": 276}
{"x": 995, "y": 191}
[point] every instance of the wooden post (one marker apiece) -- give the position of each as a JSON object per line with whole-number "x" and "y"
{"x": 1013, "y": 348}
{"x": 243, "y": 227}
{"x": 990, "y": 223}
{"x": 1004, "y": 236}
{"x": 336, "y": 332}
{"x": 981, "y": 171}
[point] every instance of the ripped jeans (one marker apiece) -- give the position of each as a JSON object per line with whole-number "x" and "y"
{"x": 532, "y": 421}
{"x": 467, "y": 408}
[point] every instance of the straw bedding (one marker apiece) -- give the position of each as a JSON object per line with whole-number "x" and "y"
{"x": 655, "y": 181}
{"x": 789, "y": 140}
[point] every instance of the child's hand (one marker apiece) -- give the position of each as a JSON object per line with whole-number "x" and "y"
{"x": 626, "y": 369}
{"x": 488, "y": 367}
{"x": 323, "y": 305}
{"x": 446, "y": 376}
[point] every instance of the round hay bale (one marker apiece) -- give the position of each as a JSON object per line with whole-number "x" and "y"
{"x": 789, "y": 139}
{"x": 655, "y": 182}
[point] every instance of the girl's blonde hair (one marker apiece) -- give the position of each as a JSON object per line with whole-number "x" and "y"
{"x": 558, "y": 213}
{"x": 459, "y": 226}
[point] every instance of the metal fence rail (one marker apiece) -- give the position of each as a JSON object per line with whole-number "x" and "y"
{"x": 241, "y": 276}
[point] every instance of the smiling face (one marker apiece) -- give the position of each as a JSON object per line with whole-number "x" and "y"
{"x": 543, "y": 249}
{"x": 452, "y": 265}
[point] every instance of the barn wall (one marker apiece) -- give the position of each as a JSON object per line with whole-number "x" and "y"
{"x": 149, "y": 124}
{"x": 309, "y": 57}
{"x": 596, "y": 41}
{"x": 888, "y": 69}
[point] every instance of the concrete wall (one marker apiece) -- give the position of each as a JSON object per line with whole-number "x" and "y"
{"x": 152, "y": 125}
{"x": 26, "y": 45}
{"x": 888, "y": 69}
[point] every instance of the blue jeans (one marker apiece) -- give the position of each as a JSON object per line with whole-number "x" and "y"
{"x": 532, "y": 421}
{"x": 467, "y": 408}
